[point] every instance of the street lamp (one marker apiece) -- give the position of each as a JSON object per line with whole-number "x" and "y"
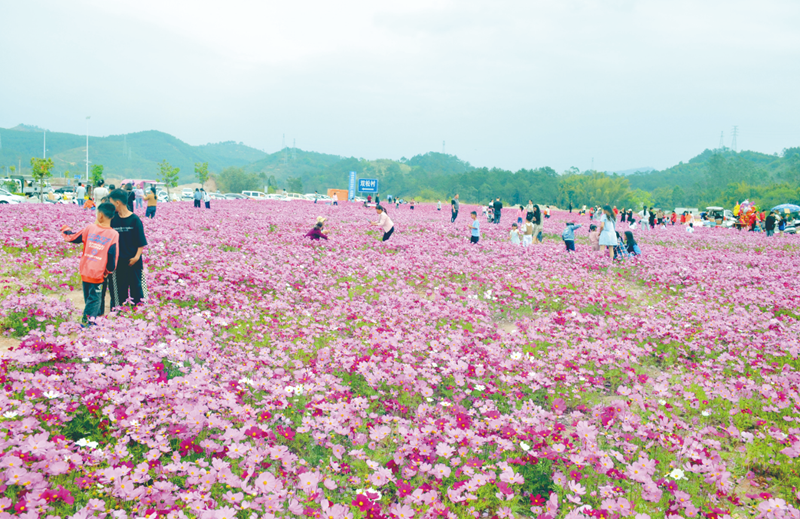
{"x": 87, "y": 147}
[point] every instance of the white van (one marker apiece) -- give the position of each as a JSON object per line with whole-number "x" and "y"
{"x": 296, "y": 196}
{"x": 254, "y": 195}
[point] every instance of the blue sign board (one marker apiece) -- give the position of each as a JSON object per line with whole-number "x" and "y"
{"x": 368, "y": 185}
{"x": 352, "y": 189}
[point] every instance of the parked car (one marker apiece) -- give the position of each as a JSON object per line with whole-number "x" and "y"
{"x": 5, "y": 193}
{"x": 8, "y": 200}
{"x": 65, "y": 189}
{"x": 254, "y": 195}
{"x": 296, "y": 196}
{"x": 234, "y": 196}
{"x": 276, "y": 196}
{"x": 719, "y": 217}
{"x": 162, "y": 196}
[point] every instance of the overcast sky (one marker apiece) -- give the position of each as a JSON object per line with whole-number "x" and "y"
{"x": 511, "y": 84}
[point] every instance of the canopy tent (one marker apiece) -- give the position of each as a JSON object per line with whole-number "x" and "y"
{"x": 787, "y": 208}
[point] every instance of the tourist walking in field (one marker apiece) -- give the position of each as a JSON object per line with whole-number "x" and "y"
{"x": 139, "y": 194}
{"x": 498, "y": 210}
{"x": 529, "y": 210}
{"x": 206, "y": 198}
{"x": 608, "y": 234}
{"x": 568, "y": 235}
{"x": 128, "y": 280}
{"x": 384, "y": 222}
{"x": 520, "y": 215}
{"x": 99, "y": 258}
{"x": 475, "y": 228}
{"x": 454, "y": 209}
{"x": 80, "y": 194}
{"x": 439, "y": 205}
{"x": 197, "y": 197}
{"x": 150, "y": 212}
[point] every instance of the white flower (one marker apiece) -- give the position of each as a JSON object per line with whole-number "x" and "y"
{"x": 246, "y": 381}
{"x": 52, "y": 394}
{"x": 10, "y": 414}
{"x": 289, "y": 389}
{"x": 87, "y": 359}
{"x": 662, "y": 402}
{"x": 298, "y": 390}
{"x": 446, "y": 404}
{"x": 677, "y": 474}
{"x": 516, "y": 355}
{"x": 468, "y": 392}
{"x": 524, "y": 446}
{"x": 479, "y": 387}
{"x": 134, "y": 423}
{"x": 705, "y": 413}
{"x": 429, "y": 399}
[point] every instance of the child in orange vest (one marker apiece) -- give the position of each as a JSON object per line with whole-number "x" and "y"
{"x": 99, "y": 258}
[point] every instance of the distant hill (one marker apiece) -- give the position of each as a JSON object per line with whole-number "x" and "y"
{"x": 131, "y": 155}
{"x": 627, "y": 172}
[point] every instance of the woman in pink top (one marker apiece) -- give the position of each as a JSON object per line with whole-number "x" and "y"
{"x": 520, "y": 215}
{"x": 384, "y": 222}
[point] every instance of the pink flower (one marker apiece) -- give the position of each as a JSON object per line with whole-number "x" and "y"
{"x": 441, "y": 471}
{"x": 309, "y": 482}
{"x": 381, "y": 476}
{"x": 402, "y": 511}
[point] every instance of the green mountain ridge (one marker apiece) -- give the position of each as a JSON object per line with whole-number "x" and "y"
{"x": 132, "y": 155}
{"x": 714, "y": 177}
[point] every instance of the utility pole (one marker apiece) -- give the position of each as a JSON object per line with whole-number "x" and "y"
{"x": 735, "y": 134}
{"x": 44, "y": 145}
{"x": 87, "y": 147}
{"x": 721, "y": 141}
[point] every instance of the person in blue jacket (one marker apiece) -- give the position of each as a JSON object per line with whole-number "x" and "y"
{"x": 631, "y": 245}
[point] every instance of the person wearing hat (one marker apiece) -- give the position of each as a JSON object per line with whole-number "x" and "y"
{"x": 316, "y": 233}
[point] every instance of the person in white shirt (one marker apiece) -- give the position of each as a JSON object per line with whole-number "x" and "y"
{"x": 384, "y": 222}
{"x": 690, "y": 228}
{"x": 206, "y": 199}
{"x": 99, "y": 192}
{"x": 139, "y": 193}
{"x": 515, "y": 234}
{"x": 335, "y": 198}
{"x": 439, "y": 205}
{"x": 80, "y": 193}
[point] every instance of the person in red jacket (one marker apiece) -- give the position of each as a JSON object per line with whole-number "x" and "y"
{"x": 316, "y": 233}
{"x": 674, "y": 217}
{"x": 99, "y": 258}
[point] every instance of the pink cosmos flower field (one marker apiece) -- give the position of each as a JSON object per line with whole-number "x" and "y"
{"x": 272, "y": 376}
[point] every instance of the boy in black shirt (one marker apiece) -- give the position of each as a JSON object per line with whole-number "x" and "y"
{"x": 129, "y": 276}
